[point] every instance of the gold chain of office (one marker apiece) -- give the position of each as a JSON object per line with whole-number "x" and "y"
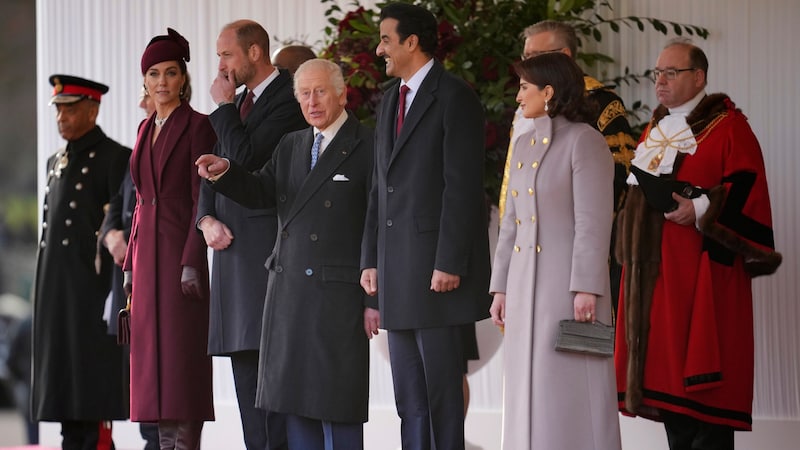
{"x": 671, "y": 141}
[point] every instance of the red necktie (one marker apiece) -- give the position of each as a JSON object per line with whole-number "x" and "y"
{"x": 247, "y": 105}
{"x": 401, "y": 107}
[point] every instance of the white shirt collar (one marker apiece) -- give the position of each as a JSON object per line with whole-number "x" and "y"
{"x": 331, "y": 131}
{"x": 258, "y": 90}
{"x": 689, "y": 106}
{"x": 415, "y": 82}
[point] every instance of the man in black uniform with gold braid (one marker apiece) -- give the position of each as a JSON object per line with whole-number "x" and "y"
{"x": 78, "y": 375}
{"x": 550, "y": 36}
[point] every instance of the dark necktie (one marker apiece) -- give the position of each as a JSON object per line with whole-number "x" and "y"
{"x": 401, "y": 107}
{"x": 247, "y": 105}
{"x": 315, "y": 149}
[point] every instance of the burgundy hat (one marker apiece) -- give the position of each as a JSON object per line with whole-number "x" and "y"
{"x": 169, "y": 47}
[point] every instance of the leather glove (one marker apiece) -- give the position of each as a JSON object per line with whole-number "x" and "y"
{"x": 190, "y": 283}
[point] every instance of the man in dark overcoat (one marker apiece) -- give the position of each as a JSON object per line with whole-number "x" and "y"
{"x": 314, "y": 349}
{"x": 426, "y": 250}
{"x": 77, "y": 366}
{"x": 248, "y": 127}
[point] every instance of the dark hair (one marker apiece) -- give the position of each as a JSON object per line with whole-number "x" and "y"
{"x": 413, "y": 19}
{"x": 565, "y": 77}
{"x": 186, "y": 90}
{"x": 697, "y": 58}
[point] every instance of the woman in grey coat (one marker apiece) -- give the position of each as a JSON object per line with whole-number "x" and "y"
{"x": 551, "y": 264}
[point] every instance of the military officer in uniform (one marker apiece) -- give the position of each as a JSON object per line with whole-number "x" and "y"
{"x": 77, "y": 366}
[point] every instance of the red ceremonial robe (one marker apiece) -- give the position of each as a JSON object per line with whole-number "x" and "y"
{"x": 685, "y": 324}
{"x": 170, "y": 369}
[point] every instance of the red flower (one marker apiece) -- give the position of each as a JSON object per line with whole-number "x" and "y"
{"x": 489, "y": 68}
{"x": 344, "y": 24}
{"x": 449, "y": 40}
{"x": 490, "y": 132}
{"x": 364, "y": 59}
{"x": 354, "y": 98}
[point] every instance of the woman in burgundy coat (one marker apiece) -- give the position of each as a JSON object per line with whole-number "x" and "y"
{"x": 166, "y": 263}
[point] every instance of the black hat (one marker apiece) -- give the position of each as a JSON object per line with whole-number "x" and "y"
{"x": 71, "y": 89}
{"x": 658, "y": 190}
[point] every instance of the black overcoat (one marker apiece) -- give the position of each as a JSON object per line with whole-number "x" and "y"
{"x": 427, "y": 206}
{"x": 314, "y": 351}
{"x": 77, "y": 365}
{"x": 238, "y": 278}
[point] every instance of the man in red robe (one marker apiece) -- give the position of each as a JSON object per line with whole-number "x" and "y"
{"x": 684, "y": 352}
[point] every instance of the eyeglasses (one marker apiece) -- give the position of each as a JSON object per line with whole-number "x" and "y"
{"x": 537, "y": 53}
{"x": 670, "y": 74}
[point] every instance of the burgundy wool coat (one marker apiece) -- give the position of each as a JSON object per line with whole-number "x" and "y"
{"x": 170, "y": 369}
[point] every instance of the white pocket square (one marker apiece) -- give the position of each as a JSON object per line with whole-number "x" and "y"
{"x": 340, "y": 177}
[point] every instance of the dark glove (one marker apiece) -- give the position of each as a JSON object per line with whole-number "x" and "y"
{"x": 190, "y": 283}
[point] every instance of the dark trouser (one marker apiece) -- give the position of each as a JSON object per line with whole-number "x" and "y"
{"x": 312, "y": 434}
{"x": 427, "y": 374}
{"x": 149, "y": 432}
{"x": 688, "y": 433}
{"x": 262, "y": 430}
{"x": 86, "y": 435}
{"x": 180, "y": 434}
{"x": 615, "y": 273}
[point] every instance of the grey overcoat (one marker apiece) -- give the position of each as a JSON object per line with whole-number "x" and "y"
{"x": 554, "y": 242}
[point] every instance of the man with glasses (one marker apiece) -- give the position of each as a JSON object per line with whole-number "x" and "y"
{"x": 551, "y": 36}
{"x": 684, "y": 350}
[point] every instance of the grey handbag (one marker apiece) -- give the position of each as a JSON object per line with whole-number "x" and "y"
{"x": 585, "y": 337}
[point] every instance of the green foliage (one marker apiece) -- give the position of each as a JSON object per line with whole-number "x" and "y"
{"x": 20, "y": 216}
{"x": 478, "y": 40}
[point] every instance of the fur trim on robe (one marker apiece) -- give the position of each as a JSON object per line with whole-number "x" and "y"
{"x": 638, "y": 246}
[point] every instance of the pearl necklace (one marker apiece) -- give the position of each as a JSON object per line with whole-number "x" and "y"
{"x": 160, "y": 121}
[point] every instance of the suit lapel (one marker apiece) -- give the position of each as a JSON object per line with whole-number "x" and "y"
{"x": 388, "y": 123}
{"x": 136, "y": 157}
{"x": 180, "y": 122}
{"x": 261, "y": 107}
{"x": 337, "y": 152}
{"x": 423, "y": 99}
